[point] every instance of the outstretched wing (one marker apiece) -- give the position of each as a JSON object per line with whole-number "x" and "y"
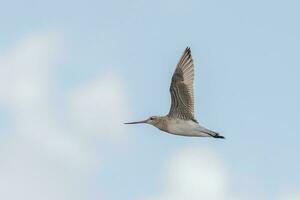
{"x": 181, "y": 89}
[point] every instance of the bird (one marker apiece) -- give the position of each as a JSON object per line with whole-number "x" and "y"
{"x": 181, "y": 118}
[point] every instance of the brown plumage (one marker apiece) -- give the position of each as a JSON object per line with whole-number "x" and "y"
{"x": 181, "y": 120}
{"x": 181, "y": 89}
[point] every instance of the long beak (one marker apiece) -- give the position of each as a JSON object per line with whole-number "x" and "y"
{"x": 138, "y": 122}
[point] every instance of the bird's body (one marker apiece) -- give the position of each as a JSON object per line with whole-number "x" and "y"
{"x": 183, "y": 127}
{"x": 186, "y": 128}
{"x": 180, "y": 120}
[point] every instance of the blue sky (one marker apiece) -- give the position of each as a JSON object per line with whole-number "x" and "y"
{"x": 72, "y": 72}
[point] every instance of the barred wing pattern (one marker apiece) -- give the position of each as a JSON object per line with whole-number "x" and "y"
{"x": 181, "y": 89}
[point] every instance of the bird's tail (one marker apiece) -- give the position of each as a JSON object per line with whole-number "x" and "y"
{"x": 213, "y": 134}
{"x": 219, "y": 136}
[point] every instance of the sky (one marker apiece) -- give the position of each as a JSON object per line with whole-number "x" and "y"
{"x": 72, "y": 72}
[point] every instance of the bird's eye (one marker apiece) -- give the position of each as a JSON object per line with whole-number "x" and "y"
{"x": 151, "y": 118}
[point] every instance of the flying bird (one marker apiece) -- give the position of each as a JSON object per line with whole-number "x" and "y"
{"x": 181, "y": 119}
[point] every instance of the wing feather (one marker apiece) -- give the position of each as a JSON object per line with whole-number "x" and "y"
{"x": 181, "y": 89}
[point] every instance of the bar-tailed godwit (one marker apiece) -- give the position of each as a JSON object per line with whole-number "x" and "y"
{"x": 181, "y": 120}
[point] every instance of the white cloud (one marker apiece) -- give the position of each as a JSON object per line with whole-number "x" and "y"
{"x": 25, "y": 68}
{"x": 194, "y": 173}
{"x": 197, "y": 173}
{"x": 99, "y": 107}
{"x": 294, "y": 195}
{"x": 38, "y": 160}
{"x": 30, "y": 171}
{"x": 39, "y": 157}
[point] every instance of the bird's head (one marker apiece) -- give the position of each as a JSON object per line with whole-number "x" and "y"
{"x": 153, "y": 120}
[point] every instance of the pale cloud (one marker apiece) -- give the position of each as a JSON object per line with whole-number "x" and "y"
{"x": 26, "y": 90}
{"x": 30, "y": 171}
{"x": 292, "y": 195}
{"x": 194, "y": 173}
{"x": 200, "y": 173}
{"x": 40, "y": 158}
{"x": 25, "y": 69}
{"x": 99, "y": 107}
